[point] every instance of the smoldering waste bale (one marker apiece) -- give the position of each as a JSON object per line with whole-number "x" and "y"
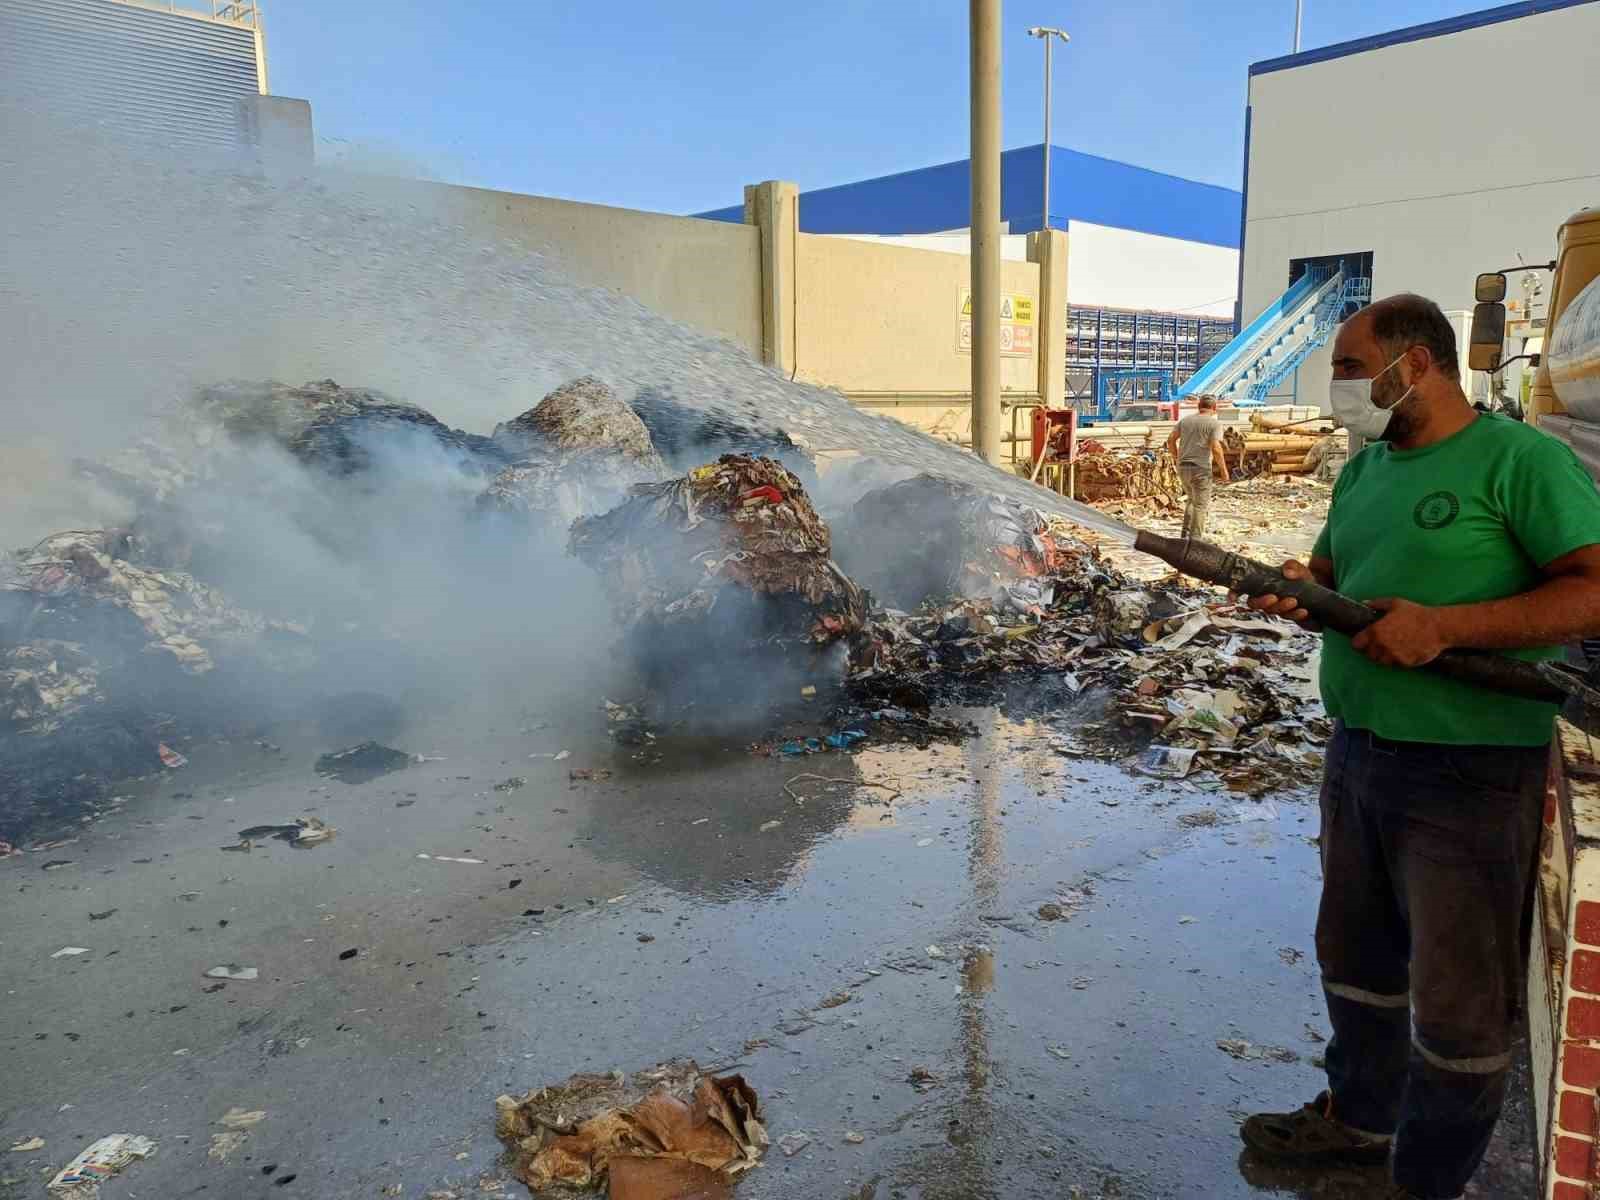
{"x": 576, "y": 452}
{"x": 668, "y": 1133}
{"x": 932, "y": 538}
{"x": 729, "y": 559}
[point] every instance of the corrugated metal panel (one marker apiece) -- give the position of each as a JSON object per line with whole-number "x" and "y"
{"x": 166, "y": 76}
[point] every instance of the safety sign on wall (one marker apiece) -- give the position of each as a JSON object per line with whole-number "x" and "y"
{"x": 1016, "y": 324}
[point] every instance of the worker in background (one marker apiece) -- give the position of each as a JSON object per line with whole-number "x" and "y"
{"x": 1464, "y": 529}
{"x": 1195, "y": 444}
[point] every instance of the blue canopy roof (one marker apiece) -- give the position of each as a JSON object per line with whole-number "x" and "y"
{"x": 1083, "y": 187}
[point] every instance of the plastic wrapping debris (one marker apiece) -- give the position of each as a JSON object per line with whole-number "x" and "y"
{"x": 729, "y": 560}
{"x": 234, "y": 972}
{"x": 1249, "y": 1052}
{"x": 573, "y": 1133}
{"x": 80, "y": 1179}
{"x": 361, "y": 763}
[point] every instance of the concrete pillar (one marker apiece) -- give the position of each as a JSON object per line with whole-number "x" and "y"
{"x": 1048, "y": 248}
{"x": 985, "y": 89}
{"x": 277, "y": 130}
{"x": 774, "y": 207}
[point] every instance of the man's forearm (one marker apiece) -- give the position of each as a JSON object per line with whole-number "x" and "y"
{"x": 1561, "y": 609}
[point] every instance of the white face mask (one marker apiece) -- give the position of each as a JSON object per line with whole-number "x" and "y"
{"x": 1353, "y": 407}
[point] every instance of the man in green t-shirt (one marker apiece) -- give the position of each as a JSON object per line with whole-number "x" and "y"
{"x": 1464, "y": 530}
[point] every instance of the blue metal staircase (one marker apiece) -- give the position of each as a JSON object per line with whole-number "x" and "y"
{"x": 1244, "y": 372}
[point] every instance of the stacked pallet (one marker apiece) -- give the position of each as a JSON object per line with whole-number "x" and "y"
{"x": 1113, "y": 475}
{"x": 1278, "y": 448}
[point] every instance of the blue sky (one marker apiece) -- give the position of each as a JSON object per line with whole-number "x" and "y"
{"x": 676, "y": 107}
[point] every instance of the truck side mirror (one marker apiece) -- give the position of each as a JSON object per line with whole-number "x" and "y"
{"x": 1490, "y": 288}
{"x": 1487, "y": 340}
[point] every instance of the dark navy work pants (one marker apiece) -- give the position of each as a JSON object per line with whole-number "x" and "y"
{"x": 1428, "y": 855}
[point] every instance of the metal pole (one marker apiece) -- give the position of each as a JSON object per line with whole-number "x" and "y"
{"x": 1299, "y": 9}
{"x": 1049, "y": 48}
{"x": 985, "y": 219}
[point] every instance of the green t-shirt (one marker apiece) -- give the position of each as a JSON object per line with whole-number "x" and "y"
{"x": 1468, "y": 519}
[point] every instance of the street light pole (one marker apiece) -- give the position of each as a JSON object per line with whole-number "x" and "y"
{"x": 1049, "y": 35}
{"x": 1299, "y": 11}
{"x": 985, "y": 221}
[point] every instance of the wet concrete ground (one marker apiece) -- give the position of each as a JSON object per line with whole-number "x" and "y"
{"x": 661, "y": 913}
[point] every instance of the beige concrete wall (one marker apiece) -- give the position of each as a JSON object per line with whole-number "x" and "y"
{"x": 706, "y": 274}
{"x": 881, "y": 318}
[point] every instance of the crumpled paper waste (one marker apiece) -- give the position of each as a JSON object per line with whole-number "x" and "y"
{"x": 643, "y": 1133}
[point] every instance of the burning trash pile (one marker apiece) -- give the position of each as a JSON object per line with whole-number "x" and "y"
{"x": 931, "y": 537}
{"x": 580, "y": 449}
{"x": 669, "y": 1133}
{"x": 726, "y": 563}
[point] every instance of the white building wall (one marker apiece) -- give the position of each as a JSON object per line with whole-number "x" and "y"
{"x": 1118, "y": 268}
{"x": 1423, "y": 154}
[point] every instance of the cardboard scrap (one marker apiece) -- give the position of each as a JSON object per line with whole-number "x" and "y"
{"x": 644, "y": 1133}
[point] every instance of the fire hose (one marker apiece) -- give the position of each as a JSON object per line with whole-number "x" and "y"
{"x": 1549, "y": 681}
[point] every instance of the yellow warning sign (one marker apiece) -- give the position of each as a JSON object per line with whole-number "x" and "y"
{"x": 1016, "y": 324}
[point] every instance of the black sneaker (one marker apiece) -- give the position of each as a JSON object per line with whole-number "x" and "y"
{"x": 1312, "y": 1135}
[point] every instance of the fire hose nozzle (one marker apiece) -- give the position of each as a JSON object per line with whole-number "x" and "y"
{"x": 1480, "y": 668}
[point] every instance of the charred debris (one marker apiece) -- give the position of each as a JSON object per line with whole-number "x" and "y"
{"x": 117, "y": 642}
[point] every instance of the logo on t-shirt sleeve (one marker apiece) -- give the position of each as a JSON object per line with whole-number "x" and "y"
{"x": 1436, "y": 510}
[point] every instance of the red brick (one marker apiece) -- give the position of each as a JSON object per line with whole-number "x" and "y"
{"x": 1580, "y": 1066}
{"x": 1583, "y": 1017}
{"x": 1569, "y": 1191}
{"x": 1586, "y": 971}
{"x": 1587, "y": 926}
{"x": 1573, "y": 1157}
{"x": 1577, "y": 1113}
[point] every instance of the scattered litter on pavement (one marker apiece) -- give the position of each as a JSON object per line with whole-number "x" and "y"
{"x": 768, "y": 826}
{"x": 70, "y": 951}
{"x": 102, "y": 916}
{"x": 792, "y": 1143}
{"x": 1249, "y": 1052}
{"x": 27, "y": 1144}
{"x": 80, "y": 1178}
{"x": 589, "y": 774}
{"x": 233, "y": 971}
{"x": 362, "y": 763}
{"x": 346, "y": 955}
{"x": 936, "y": 952}
{"x": 922, "y": 1079}
{"x": 1202, "y": 818}
{"x": 511, "y": 785}
{"x": 170, "y": 758}
{"x": 240, "y": 1118}
{"x": 854, "y": 1138}
{"x": 449, "y": 858}
{"x": 55, "y": 864}
{"x": 1167, "y": 762}
{"x": 1290, "y": 954}
{"x": 575, "y": 1132}
{"x": 304, "y": 833}
{"x": 788, "y": 786}
{"x": 225, "y": 1145}
{"x": 1059, "y": 1051}
{"x": 835, "y": 1000}
{"x": 1258, "y": 810}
